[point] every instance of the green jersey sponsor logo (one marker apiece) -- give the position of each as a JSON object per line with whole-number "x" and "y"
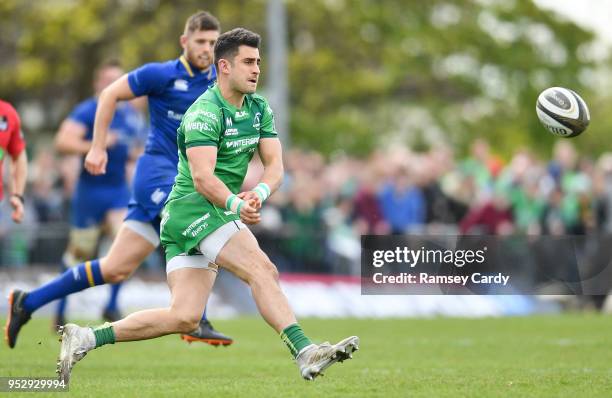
{"x": 199, "y": 126}
{"x": 204, "y": 112}
{"x": 192, "y": 230}
{"x": 243, "y": 142}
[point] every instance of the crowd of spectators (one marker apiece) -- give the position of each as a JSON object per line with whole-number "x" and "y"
{"x": 314, "y": 222}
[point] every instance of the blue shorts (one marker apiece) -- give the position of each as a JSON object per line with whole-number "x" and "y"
{"x": 90, "y": 203}
{"x": 153, "y": 180}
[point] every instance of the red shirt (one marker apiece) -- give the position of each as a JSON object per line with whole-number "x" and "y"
{"x": 11, "y": 139}
{"x": 487, "y": 218}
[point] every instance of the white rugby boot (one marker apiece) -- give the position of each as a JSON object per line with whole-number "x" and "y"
{"x": 76, "y": 342}
{"x": 315, "y": 358}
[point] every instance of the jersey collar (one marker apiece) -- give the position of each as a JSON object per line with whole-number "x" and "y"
{"x": 186, "y": 65}
{"x": 229, "y": 106}
{"x": 190, "y": 69}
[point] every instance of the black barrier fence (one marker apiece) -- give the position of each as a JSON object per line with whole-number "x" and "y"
{"x": 291, "y": 251}
{"x": 41, "y": 245}
{"x": 434, "y": 264}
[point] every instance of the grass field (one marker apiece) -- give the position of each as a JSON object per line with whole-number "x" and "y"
{"x": 556, "y": 356}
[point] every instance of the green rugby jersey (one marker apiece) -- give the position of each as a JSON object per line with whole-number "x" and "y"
{"x": 212, "y": 121}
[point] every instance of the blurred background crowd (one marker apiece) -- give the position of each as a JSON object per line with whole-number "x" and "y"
{"x": 314, "y": 222}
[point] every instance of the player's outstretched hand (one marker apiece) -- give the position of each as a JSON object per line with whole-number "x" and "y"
{"x": 251, "y": 195}
{"x": 249, "y": 214}
{"x": 95, "y": 161}
{"x": 17, "y": 206}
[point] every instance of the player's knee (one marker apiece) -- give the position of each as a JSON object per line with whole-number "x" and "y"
{"x": 115, "y": 276}
{"x": 263, "y": 271}
{"x": 272, "y": 270}
{"x": 115, "y": 273}
{"x": 186, "y": 322}
{"x": 116, "y": 268}
{"x": 268, "y": 268}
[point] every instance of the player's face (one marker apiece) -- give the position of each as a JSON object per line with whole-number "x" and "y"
{"x": 198, "y": 47}
{"x": 245, "y": 71}
{"x": 106, "y": 76}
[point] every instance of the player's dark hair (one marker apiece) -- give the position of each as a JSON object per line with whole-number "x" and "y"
{"x": 227, "y": 44}
{"x": 109, "y": 63}
{"x": 202, "y": 20}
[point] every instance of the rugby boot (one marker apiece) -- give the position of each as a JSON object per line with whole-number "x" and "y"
{"x": 17, "y": 316}
{"x": 315, "y": 358}
{"x": 76, "y": 342}
{"x": 205, "y": 333}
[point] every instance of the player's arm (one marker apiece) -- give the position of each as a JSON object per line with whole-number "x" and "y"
{"x": 18, "y": 166}
{"x": 119, "y": 90}
{"x": 19, "y": 173}
{"x": 70, "y": 138}
{"x": 202, "y": 161}
{"x": 271, "y": 155}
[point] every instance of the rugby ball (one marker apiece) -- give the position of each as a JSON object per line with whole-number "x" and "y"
{"x": 562, "y": 112}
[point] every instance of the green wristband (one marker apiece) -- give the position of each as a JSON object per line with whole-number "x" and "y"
{"x": 229, "y": 201}
{"x": 262, "y": 190}
{"x": 233, "y": 203}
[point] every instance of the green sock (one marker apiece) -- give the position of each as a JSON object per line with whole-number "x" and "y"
{"x": 104, "y": 334}
{"x": 295, "y": 338}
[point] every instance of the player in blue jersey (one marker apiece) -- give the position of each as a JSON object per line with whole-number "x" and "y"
{"x": 171, "y": 87}
{"x": 99, "y": 203}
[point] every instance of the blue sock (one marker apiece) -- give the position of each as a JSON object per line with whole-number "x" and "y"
{"x": 73, "y": 280}
{"x": 61, "y": 304}
{"x": 204, "y": 317}
{"x": 112, "y": 301}
{"x": 61, "y": 307}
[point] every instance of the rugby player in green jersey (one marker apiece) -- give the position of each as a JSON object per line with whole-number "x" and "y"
{"x": 203, "y": 222}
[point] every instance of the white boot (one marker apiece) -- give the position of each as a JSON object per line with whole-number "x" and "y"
{"x": 76, "y": 341}
{"x": 315, "y": 358}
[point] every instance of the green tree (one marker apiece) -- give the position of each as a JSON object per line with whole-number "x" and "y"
{"x": 362, "y": 72}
